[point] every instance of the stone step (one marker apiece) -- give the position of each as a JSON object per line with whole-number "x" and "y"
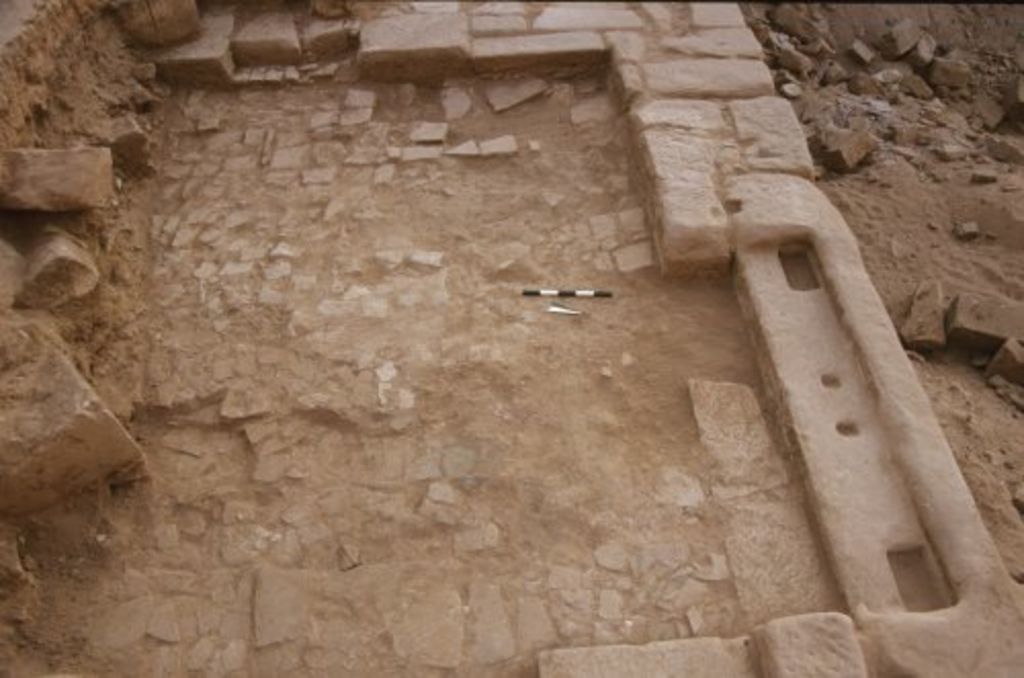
{"x": 206, "y": 60}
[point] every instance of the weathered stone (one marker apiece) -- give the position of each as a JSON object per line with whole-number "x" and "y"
{"x": 360, "y": 98}
{"x": 734, "y": 434}
{"x": 266, "y": 40}
{"x": 791, "y": 90}
{"x": 966, "y": 230}
{"x": 1006, "y": 149}
{"x": 414, "y": 47}
{"x": 715, "y": 15}
{"x": 430, "y": 629}
{"x": 915, "y": 86}
{"x": 12, "y": 271}
{"x": 129, "y": 144}
{"x": 698, "y": 117}
{"x": 693, "y": 658}
{"x": 718, "y": 42}
{"x": 844, "y": 149}
{"x": 923, "y": 52}
{"x": 423, "y": 152}
{"x": 984, "y": 323}
{"x": 989, "y": 110}
{"x": 595, "y": 108}
{"x": 949, "y": 152}
{"x": 499, "y": 8}
{"x": 795, "y": 61}
{"x": 634, "y": 257}
{"x": 924, "y": 328}
{"x": 279, "y": 607}
{"x": 58, "y": 269}
{"x": 984, "y": 175}
{"x": 534, "y": 629}
{"x": 1013, "y": 102}
{"x": 822, "y": 645}
{"x": 56, "y": 435}
{"x": 676, "y": 488}
{"x": 581, "y": 49}
{"x": 456, "y": 103}
{"x": 158, "y": 23}
{"x": 586, "y": 19}
{"x": 478, "y": 538}
{"x": 205, "y": 60}
{"x": 771, "y": 135}
{"x": 710, "y": 78}
{"x": 862, "y": 83}
{"x": 612, "y": 556}
{"x": 491, "y": 638}
{"x": 504, "y": 95}
{"x": 465, "y": 149}
{"x": 497, "y": 24}
{"x": 792, "y": 18}
{"x": 429, "y": 133}
{"x": 899, "y": 39}
{"x": 1008, "y": 362}
{"x": 947, "y": 72}
{"x": 55, "y": 180}
{"x": 834, "y": 74}
{"x": 609, "y": 605}
{"x": 503, "y": 145}
{"x": 861, "y": 52}
{"x": 324, "y": 39}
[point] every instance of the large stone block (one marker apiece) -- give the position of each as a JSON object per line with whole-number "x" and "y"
{"x": 718, "y": 42}
{"x": 589, "y": 19}
{"x": 552, "y": 50}
{"x": 56, "y": 436}
{"x": 715, "y": 14}
{"x": 984, "y": 323}
{"x": 206, "y": 60}
{"x": 703, "y": 118}
{"x": 710, "y": 78}
{"x": 159, "y": 23}
{"x": 822, "y": 645}
{"x": 414, "y": 47}
{"x": 324, "y": 39}
{"x": 267, "y": 40}
{"x": 772, "y": 138}
{"x": 56, "y": 180}
{"x": 693, "y": 658}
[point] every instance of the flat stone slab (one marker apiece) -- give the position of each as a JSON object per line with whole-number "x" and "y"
{"x": 823, "y": 645}
{"x": 56, "y": 435}
{"x": 710, "y": 78}
{"x": 572, "y": 19}
{"x": 772, "y": 138}
{"x": 56, "y": 180}
{"x": 984, "y": 323}
{"x": 414, "y": 47}
{"x": 693, "y": 658}
{"x": 552, "y": 50}
{"x": 715, "y": 14}
{"x": 696, "y": 117}
{"x": 507, "y": 94}
{"x": 717, "y": 42}
{"x": 267, "y": 40}
{"x": 205, "y": 60}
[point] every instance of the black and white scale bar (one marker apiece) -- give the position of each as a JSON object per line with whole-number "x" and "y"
{"x": 566, "y": 293}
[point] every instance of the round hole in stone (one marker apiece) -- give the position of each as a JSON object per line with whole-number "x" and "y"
{"x": 830, "y": 380}
{"x": 847, "y": 428}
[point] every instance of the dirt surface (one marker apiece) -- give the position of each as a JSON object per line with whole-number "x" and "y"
{"x": 903, "y": 204}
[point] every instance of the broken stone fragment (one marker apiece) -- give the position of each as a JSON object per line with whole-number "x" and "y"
{"x": 129, "y": 145}
{"x": 429, "y": 133}
{"x": 12, "y": 270}
{"x": 158, "y": 23}
{"x": 325, "y": 39}
{"x": 503, "y": 145}
{"x": 456, "y": 103}
{"x": 923, "y": 52}
{"x": 899, "y": 39}
{"x": 924, "y": 328}
{"x": 861, "y": 52}
{"x": 845, "y": 149}
{"x": 946, "y": 72}
{"x": 56, "y": 180}
{"x": 1008, "y": 362}
{"x": 793, "y": 19}
{"x": 862, "y": 83}
{"x": 465, "y": 149}
{"x": 984, "y": 175}
{"x": 1005, "y": 149}
{"x": 508, "y": 94}
{"x": 56, "y": 435}
{"x": 984, "y": 323}
{"x": 795, "y": 62}
{"x": 58, "y": 269}
{"x": 966, "y": 230}
{"x": 915, "y": 86}
{"x": 1014, "y": 100}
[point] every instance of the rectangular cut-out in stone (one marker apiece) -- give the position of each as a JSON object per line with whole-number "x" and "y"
{"x": 921, "y": 583}
{"x": 693, "y": 658}
{"x": 818, "y": 645}
{"x": 414, "y": 47}
{"x": 550, "y": 50}
{"x": 696, "y": 117}
{"x": 207, "y": 59}
{"x": 772, "y": 138}
{"x": 717, "y": 42}
{"x": 710, "y": 78}
{"x": 734, "y": 433}
{"x": 575, "y": 19}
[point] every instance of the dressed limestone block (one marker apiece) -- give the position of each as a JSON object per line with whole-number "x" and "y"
{"x": 772, "y": 138}
{"x": 414, "y": 47}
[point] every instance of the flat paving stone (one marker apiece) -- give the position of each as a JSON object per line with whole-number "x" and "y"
{"x": 573, "y": 19}
{"x": 267, "y": 40}
{"x": 504, "y": 95}
{"x": 719, "y": 42}
{"x": 552, "y": 50}
{"x": 707, "y": 78}
{"x": 414, "y": 47}
{"x": 698, "y": 117}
